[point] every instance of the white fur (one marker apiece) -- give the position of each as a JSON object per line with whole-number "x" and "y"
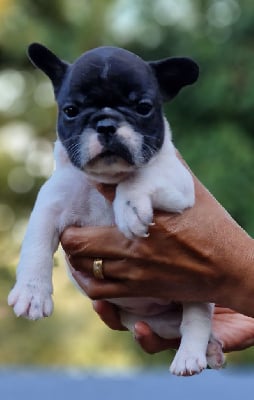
{"x": 68, "y": 198}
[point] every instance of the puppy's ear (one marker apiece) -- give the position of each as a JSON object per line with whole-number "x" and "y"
{"x": 49, "y": 63}
{"x": 174, "y": 73}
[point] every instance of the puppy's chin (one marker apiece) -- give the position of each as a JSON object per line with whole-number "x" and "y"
{"x": 108, "y": 169}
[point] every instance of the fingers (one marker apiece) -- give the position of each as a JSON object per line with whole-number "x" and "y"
{"x": 150, "y": 342}
{"x": 236, "y": 331}
{"x": 109, "y": 314}
{"x": 111, "y": 269}
{"x": 87, "y": 241}
{"x": 99, "y": 289}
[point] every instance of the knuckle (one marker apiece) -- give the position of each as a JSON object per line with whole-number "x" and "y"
{"x": 136, "y": 274}
{"x": 93, "y": 292}
{"x": 67, "y": 238}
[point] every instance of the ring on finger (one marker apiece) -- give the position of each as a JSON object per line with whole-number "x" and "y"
{"x": 98, "y": 268}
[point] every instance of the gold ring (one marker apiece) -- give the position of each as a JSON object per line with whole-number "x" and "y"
{"x": 98, "y": 268}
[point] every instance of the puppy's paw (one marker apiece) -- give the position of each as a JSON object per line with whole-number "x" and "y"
{"x": 214, "y": 355}
{"x": 31, "y": 300}
{"x": 133, "y": 215}
{"x": 187, "y": 363}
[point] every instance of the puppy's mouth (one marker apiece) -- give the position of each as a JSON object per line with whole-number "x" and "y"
{"x": 107, "y": 155}
{"x": 111, "y": 156}
{"x": 109, "y": 167}
{"x": 108, "y": 158}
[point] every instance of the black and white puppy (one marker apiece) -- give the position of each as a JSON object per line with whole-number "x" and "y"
{"x": 111, "y": 129}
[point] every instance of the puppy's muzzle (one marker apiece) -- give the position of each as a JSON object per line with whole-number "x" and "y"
{"x": 107, "y": 126}
{"x": 106, "y": 114}
{"x": 107, "y": 133}
{"x": 106, "y": 122}
{"x": 109, "y": 123}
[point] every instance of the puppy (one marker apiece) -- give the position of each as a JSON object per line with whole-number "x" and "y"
{"x": 111, "y": 129}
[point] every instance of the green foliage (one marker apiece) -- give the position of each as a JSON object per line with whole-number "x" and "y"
{"x": 212, "y": 124}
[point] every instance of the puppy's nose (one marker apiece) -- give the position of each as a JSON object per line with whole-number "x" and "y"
{"x": 106, "y": 126}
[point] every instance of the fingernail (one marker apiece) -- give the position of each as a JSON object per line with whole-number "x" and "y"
{"x": 137, "y": 334}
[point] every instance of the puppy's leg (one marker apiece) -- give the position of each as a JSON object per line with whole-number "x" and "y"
{"x": 195, "y": 328}
{"x": 132, "y": 208}
{"x": 31, "y": 295}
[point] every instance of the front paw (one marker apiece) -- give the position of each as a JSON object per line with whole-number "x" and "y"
{"x": 31, "y": 300}
{"x": 133, "y": 215}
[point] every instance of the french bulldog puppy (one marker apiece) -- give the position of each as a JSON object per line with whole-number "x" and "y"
{"x": 111, "y": 129}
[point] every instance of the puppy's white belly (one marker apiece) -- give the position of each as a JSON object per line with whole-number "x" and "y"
{"x": 145, "y": 306}
{"x": 166, "y": 324}
{"x": 163, "y": 317}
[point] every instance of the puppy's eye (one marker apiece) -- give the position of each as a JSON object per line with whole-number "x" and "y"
{"x": 71, "y": 111}
{"x": 144, "y": 107}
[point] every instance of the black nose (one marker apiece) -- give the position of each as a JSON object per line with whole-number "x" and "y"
{"x": 106, "y": 126}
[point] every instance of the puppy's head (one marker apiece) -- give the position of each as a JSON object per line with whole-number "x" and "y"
{"x": 110, "y": 106}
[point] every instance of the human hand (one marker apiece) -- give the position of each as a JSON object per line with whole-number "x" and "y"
{"x": 199, "y": 255}
{"x": 234, "y": 330}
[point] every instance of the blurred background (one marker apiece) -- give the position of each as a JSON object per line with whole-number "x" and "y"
{"x": 212, "y": 124}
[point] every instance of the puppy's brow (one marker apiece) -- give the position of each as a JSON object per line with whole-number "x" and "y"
{"x": 105, "y": 71}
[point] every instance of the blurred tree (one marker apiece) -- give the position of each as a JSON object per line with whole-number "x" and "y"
{"x": 212, "y": 124}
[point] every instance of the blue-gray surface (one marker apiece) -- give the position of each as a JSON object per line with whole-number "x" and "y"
{"x": 32, "y": 384}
